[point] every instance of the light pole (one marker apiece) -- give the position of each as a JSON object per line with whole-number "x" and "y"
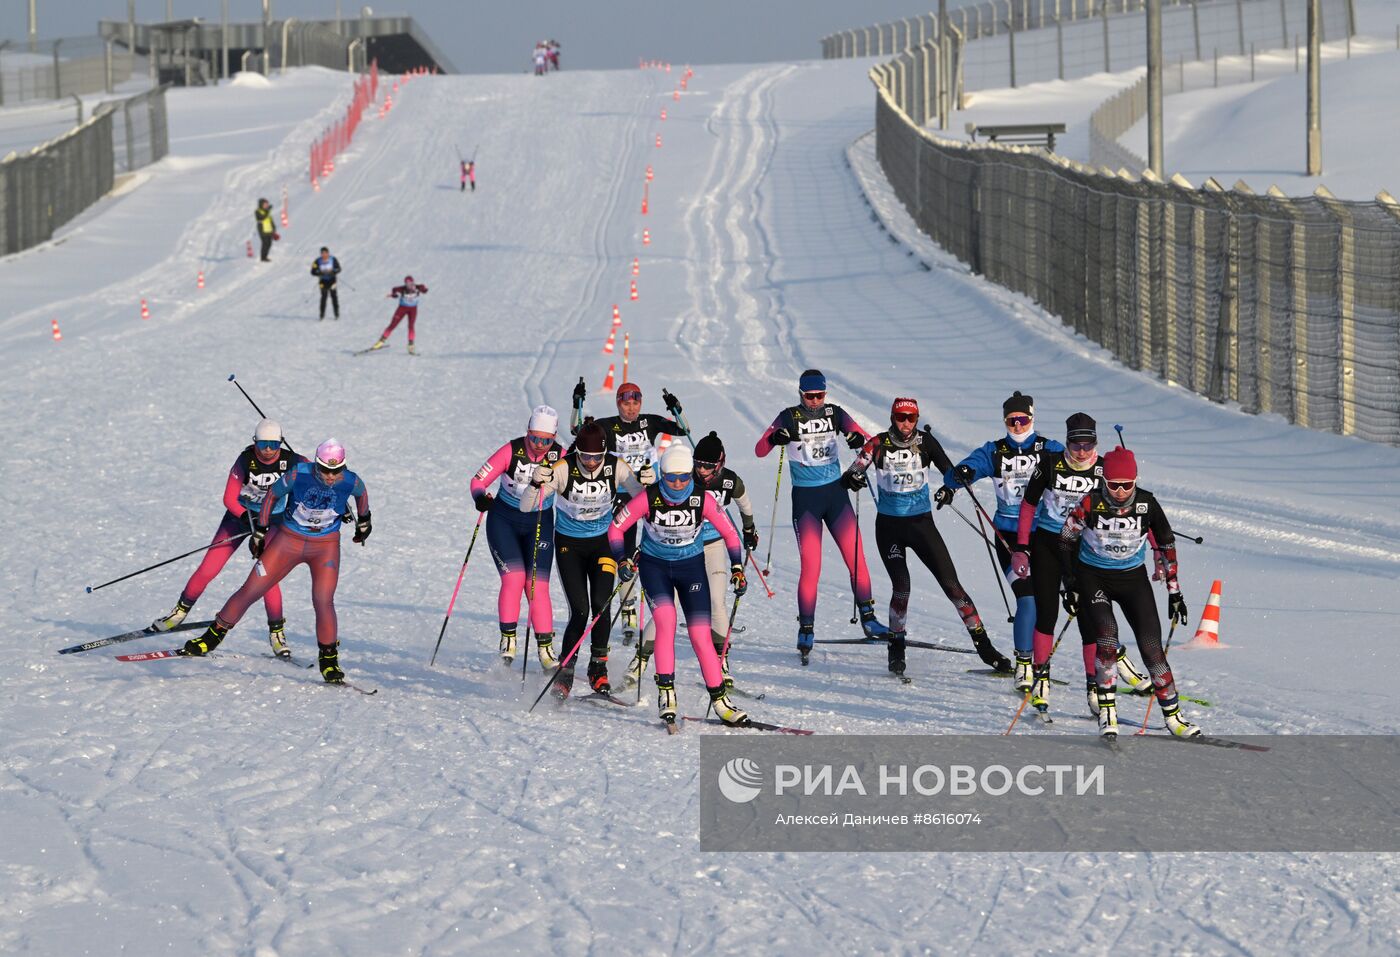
{"x": 1155, "y": 161}
{"x": 223, "y": 37}
{"x": 1314, "y": 88}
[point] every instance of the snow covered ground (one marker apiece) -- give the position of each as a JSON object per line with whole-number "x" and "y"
{"x": 235, "y": 806}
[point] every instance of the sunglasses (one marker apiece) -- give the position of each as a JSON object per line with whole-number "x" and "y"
{"x": 905, "y": 417}
{"x": 541, "y": 441}
{"x": 324, "y": 470}
{"x": 268, "y": 445}
{"x": 679, "y": 478}
{"x": 1018, "y": 421}
{"x": 1122, "y": 486}
{"x": 707, "y": 466}
{"x": 629, "y": 397}
{"x": 813, "y": 396}
{"x": 1082, "y": 446}
{"x": 590, "y": 458}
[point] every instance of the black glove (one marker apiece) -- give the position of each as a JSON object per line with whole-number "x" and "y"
{"x": 737, "y": 579}
{"x": 672, "y": 403}
{"x": 580, "y": 392}
{"x": 483, "y": 502}
{"x": 362, "y": 529}
{"x": 944, "y": 495}
{"x": 1176, "y": 608}
{"x": 1071, "y": 601}
{"x": 626, "y": 570}
{"x": 258, "y": 540}
{"x": 964, "y": 475}
{"x": 347, "y": 516}
{"x": 780, "y": 436}
{"x": 854, "y": 440}
{"x": 750, "y": 536}
{"x": 853, "y": 481}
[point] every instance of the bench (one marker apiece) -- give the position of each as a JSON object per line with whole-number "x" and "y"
{"x": 1032, "y": 134}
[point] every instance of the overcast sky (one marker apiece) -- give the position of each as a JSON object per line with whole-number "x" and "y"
{"x": 496, "y": 37}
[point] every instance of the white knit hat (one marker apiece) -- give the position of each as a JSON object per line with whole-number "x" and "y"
{"x": 677, "y": 459}
{"x": 544, "y": 419}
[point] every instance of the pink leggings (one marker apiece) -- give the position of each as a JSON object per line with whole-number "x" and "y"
{"x": 214, "y": 561}
{"x": 411, "y": 312}
{"x": 286, "y": 550}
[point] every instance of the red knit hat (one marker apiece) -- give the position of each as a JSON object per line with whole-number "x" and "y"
{"x": 1120, "y": 466}
{"x": 904, "y": 407}
{"x": 628, "y": 387}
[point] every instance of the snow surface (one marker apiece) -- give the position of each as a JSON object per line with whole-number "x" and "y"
{"x": 235, "y": 806}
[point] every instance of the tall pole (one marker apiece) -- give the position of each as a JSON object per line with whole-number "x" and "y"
{"x": 1314, "y": 88}
{"x": 223, "y": 38}
{"x": 267, "y": 37}
{"x": 1155, "y": 161}
{"x": 33, "y": 24}
{"x": 945, "y": 67}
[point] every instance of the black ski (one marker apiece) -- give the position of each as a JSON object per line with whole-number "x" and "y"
{"x": 132, "y": 636}
{"x": 908, "y": 643}
{"x": 736, "y": 690}
{"x": 992, "y": 673}
{"x": 603, "y": 698}
{"x": 750, "y": 725}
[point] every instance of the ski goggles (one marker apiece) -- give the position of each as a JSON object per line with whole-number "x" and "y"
{"x": 591, "y": 459}
{"x": 905, "y": 417}
{"x": 676, "y": 479}
{"x": 1121, "y": 486}
{"x": 539, "y": 441}
{"x": 813, "y": 396}
{"x": 1018, "y": 421}
{"x": 267, "y": 445}
{"x": 629, "y": 396}
{"x": 707, "y": 466}
{"x": 330, "y": 470}
{"x": 1081, "y": 446}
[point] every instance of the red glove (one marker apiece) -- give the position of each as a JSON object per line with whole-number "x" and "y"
{"x": 276, "y": 237}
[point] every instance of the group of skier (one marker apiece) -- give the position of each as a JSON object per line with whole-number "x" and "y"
{"x": 1067, "y": 523}
{"x": 546, "y": 56}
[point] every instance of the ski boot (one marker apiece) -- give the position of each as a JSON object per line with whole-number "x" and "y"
{"x": 412, "y": 351}
{"x": 1093, "y": 695}
{"x": 990, "y": 656}
{"x": 1025, "y": 673}
{"x": 1040, "y": 688}
{"x": 1108, "y": 714}
{"x": 724, "y": 670}
{"x": 1178, "y": 725}
{"x": 805, "y": 637}
{"x": 544, "y": 645}
{"x": 1129, "y": 675}
{"x": 329, "y": 663}
{"x": 562, "y": 683}
{"x": 725, "y": 710}
{"x": 637, "y": 667}
{"x": 598, "y": 674}
{"x": 380, "y": 344}
{"x": 176, "y": 616}
{"x": 507, "y": 647}
{"x": 629, "y": 620}
{"x": 277, "y": 637}
{"x": 205, "y": 643}
{"x": 666, "y": 697}
{"x": 896, "y": 652}
{"x": 868, "y": 622}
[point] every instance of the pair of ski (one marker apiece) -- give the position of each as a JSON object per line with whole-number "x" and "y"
{"x": 1122, "y": 689}
{"x": 748, "y": 724}
{"x": 168, "y": 653}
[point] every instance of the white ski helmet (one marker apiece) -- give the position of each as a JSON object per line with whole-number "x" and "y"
{"x": 544, "y": 419}
{"x": 267, "y": 431}
{"x": 677, "y": 460}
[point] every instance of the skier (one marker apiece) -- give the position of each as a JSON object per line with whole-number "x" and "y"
{"x": 584, "y": 483}
{"x": 407, "y": 295}
{"x": 541, "y": 58}
{"x": 901, "y": 457}
{"x": 554, "y": 54}
{"x": 1103, "y": 549}
{"x": 632, "y": 437}
{"x": 514, "y": 536}
{"x": 1067, "y": 477}
{"x": 314, "y": 496}
{"x": 326, "y": 268}
{"x": 812, "y": 427}
{"x": 256, "y": 468}
{"x": 267, "y": 234}
{"x": 468, "y": 174}
{"x": 672, "y": 565}
{"x": 1009, "y": 462}
{"x": 724, "y": 486}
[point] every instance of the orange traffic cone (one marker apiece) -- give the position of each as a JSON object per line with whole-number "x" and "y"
{"x": 649, "y": 174}
{"x": 658, "y": 141}
{"x": 57, "y": 336}
{"x": 145, "y": 312}
{"x": 626, "y": 353}
{"x": 644, "y": 205}
{"x": 617, "y": 316}
{"x": 250, "y": 243}
{"x": 608, "y": 385}
{"x": 284, "y": 219}
{"x": 636, "y": 266}
{"x": 676, "y": 95}
{"x": 663, "y": 113}
{"x": 634, "y": 290}
{"x": 199, "y": 283}
{"x": 612, "y": 341}
{"x": 1208, "y": 632}
{"x": 646, "y": 237}
{"x": 315, "y": 188}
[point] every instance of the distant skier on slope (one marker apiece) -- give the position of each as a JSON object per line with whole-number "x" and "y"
{"x": 267, "y": 233}
{"x": 902, "y": 457}
{"x": 326, "y": 269}
{"x": 672, "y": 567}
{"x": 468, "y": 174}
{"x": 522, "y": 544}
{"x": 408, "y": 295}
{"x": 1009, "y": 462}
{"x": 257, "y": 467}
{"x": 1103, "y": 549}
{"x": 316, "y": 495}
{"x": 812, "y": 428}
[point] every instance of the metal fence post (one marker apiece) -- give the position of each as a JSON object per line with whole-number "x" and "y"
{"x": 1239, "y": 19}
{"x": 1345, "y": 279}
{"x": 1059, "y": 48}
{"x": 57, "y": 76}
{"x": 1011, "y": 48}
{"x": 1196, "y": 28}
{"x": 1283, "y": 20}
{"x": 1107, "y": 66}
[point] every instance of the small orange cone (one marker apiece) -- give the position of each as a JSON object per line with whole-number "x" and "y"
{"x": 636, "y": 266}
{"x": 617, "y": 316}
{"x": 250, "y": 243}
{"x": 646, "y": 237}
{"x": 644, "y": 205}
{"x": 57, "y": 336}
{"x": 608, "y": 382}
{"x": 663, "y": 113}
{"x": 649, "y": 174}
{"x": 676, "y": 95}
{"x": 145, "y": 312}
{"x": 284, "y": 219}
{"x": 658, "y": 141}
{"x": 626, "y": 353}
{"x": 1208, "y": 632}
{"x": 315, "y": 188}
{"x": 634, "y": 290}
{"x": 612, "y": 341}
{"x": 200, "y": 282}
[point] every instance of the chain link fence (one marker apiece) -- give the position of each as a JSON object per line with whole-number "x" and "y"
{"x": 1283, "y": 305}
{"x": 47, "y": 186}
{"x": 59, "y": 68}
{"x": 295, "y": 43}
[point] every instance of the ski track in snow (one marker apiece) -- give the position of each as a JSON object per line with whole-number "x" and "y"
{"x": 235, "y": 806}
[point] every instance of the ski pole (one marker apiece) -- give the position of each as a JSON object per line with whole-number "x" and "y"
{"x": 574, "y": 650}
{"x": 773, "y": 523}
{"x": 983, "y": 512}
{"x": 534, "y": 569}
{"x": 256, "y": 409}
{"x": 193, "y": 551}
{"x": 1026, "y": 700}
{"x": 991, "y": 556}
{"x": 754, "y": 562}
{"x": 1148, "y": 713}
{"x": 855, "y": 605}
{"x": 1119, "y": 430}
{"x": 460, "y": 574}
{"x": 725, "y": 653}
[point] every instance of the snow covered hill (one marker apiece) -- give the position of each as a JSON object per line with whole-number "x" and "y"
{"x": 236, "y": 806}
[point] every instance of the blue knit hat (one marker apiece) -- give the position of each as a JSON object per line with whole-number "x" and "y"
{"x": 812, "y": 381}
